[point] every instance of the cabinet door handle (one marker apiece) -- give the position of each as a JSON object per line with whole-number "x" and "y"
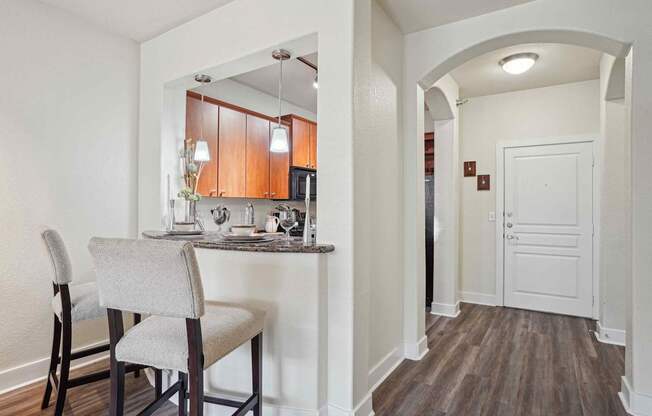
{"x": 212, "y": 192}
{"x": 222, "y": 192}
{"x": 273, "y": 193}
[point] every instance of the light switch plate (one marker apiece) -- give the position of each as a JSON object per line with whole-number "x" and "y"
{"x": 492, "y": 216}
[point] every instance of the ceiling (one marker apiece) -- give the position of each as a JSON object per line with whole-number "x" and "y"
{"x": 139, "y": 20}
{"x": 297, "y": 82}
{"x": 557, "y": 64}
{"x": 414, "y": 15}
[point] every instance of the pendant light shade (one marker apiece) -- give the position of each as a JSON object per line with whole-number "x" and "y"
{"x": 202, "y": 153}
{"x": 280, "y": 142}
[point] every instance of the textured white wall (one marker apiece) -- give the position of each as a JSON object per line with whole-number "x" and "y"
{"x": 381, "y": 208}
{"x": 68, "y": 128}
{"x": 563, "y": 110}
{"x": 615, "y": 206}
{"x": 246, "y": 43}
{"x": 446, "y": 254}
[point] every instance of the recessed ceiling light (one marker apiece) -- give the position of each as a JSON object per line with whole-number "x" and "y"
{"x": 518, "y": 63}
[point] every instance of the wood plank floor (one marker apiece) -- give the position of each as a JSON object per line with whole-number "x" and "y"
{"x": 504, "y": 362}
{"x": 87, "y": 400}
{"x": 488, "y": 361}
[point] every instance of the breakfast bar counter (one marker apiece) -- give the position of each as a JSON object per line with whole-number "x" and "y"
{"x": 288, "y": 282}
{"x": 213, "y": 241}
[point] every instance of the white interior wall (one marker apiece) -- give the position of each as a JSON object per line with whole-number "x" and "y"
{"x": 446, "y": 245}
{"x": 615, "y": 209}
{"x": 236, "y": 47}
{"x": 68, "y": 127}
{"x": 383, "y": 146}
{"x": 557, "y": 111}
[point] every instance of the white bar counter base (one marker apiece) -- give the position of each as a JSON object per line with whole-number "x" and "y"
{"x": 292, "y": 289}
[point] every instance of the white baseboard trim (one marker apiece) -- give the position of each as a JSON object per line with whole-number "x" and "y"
{"x": 35, "y": 371}
{"x": 609, "y": 335}
{"x": 364, "y": 408}
{"x": 445, "y": 309}
{"x": 636, "y": 404}
{"x": 477, "y": 298}
{"x": 384, "y": 368}
{"x": 416, "y": 351}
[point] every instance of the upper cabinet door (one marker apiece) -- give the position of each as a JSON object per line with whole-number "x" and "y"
{"x": 232, "y": 153}
{"x": 313, "y": 145}
{"x": 207, "y": 185}
{"x": 300, "y": 143}
{"x": 257, "y": 173}
{"x": 279, "y": 175}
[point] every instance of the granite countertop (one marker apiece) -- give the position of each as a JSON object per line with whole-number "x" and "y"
{"x": 212, "y": 240}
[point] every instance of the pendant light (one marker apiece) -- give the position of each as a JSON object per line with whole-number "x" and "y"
{"x": 202, "y": 153}
{"x": 280, "y": 142}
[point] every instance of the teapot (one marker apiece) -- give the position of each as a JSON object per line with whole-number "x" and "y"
{"x": 221, "y": 214}
{"x": 271, "y": 224}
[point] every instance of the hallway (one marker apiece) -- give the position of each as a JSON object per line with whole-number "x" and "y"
{"x": 500, "y": 361}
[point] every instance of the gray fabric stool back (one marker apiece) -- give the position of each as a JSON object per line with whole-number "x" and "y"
{"x": 156, "y": 277}
{"x": 162, "y": 278}
{"x": 70, "y": 304}
{"x": 61, "y": 266}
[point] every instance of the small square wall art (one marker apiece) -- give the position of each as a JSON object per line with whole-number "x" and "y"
{"x": 469, "y": 168}
{"x": 483, "y": 183}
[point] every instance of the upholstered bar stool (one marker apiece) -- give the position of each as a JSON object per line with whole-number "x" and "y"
{"x": 70, "y": 304}
{"x": 183, "y": 333}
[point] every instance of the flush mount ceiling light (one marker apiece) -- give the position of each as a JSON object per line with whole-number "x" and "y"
{"x": 518, "y": 63}
{"x": 280, "y": 142}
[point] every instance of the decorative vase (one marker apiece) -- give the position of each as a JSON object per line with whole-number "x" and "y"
{"x": 190, "y": 211}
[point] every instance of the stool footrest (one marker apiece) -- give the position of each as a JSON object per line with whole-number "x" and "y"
{"x": 152, "y": 407}
{"x": 243, "y": 407}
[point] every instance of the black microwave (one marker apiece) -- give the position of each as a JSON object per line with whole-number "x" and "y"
{"x": 298, "y": 184}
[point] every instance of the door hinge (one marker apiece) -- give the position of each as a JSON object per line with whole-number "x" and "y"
{"x": 593, "y": 230}
{"x": 593, "y": 160}
{"x": 592, "y": 300}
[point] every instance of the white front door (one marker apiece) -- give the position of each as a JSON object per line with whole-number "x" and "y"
{"x": 548, "y": 228}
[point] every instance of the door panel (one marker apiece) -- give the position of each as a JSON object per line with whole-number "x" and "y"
{"x": 548, "y": 245}
{"x": 300, "y": 143}
{"x": 207, "y": 185}
{"x": 232, "y": 153}
{"x": 257, "y": 157}
{"x": 313, "y": 145}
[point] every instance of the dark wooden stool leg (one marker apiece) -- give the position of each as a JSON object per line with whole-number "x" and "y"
{"x": 257, "y": 372}
{"x": 195, "y": 367}
{"x": 137, "y": 319}
{"x": 183, "y": 408}
{"x": 54, "y": 359}
{"x": 65, "y": 365}
{"x": 158, "y": 383}
{"x": 116, "y": 330}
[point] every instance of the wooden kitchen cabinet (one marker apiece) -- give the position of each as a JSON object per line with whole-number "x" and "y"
{"x": 303, "y": 134}
{"x": 257, "y": 158}
{"x": 207, "y": 185}
{"x": 232, "y": 161}
{"x": 241, "y": 164}
{"x": 313, "y": 145}
{"x": 300, "y": 143}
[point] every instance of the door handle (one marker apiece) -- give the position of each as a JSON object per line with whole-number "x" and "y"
{"x": 509, "y": 225}
{"x": 511, "y": 237}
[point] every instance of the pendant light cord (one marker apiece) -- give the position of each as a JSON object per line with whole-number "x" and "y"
{"x": 280, "y": 89}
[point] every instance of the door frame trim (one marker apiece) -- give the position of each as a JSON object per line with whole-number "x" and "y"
{"x": 500, "y": 208}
